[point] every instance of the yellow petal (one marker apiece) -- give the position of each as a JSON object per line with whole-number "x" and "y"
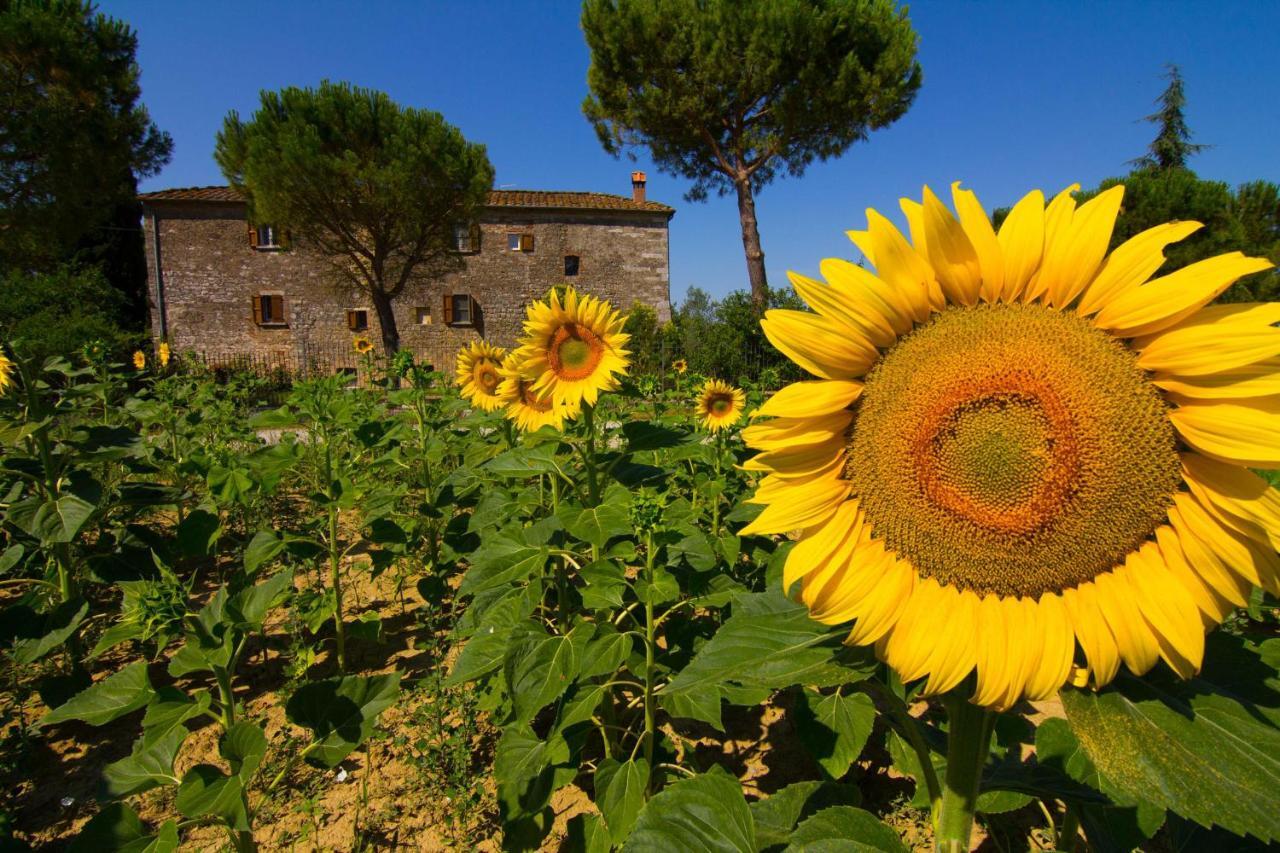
{"x": 791, "y": 433}
{"x": 1169, "y": 609}
{"x": 808, "y": 460}
{"x": 1260, "y": 379}
{"x": 804, "y": 506}
{"x": 915, "y": 636}
{"x": 810, "y": 399}
{"x": 1236, "y": 490}
{"x": 820, "y": 541}
{"x": 1059, "y": 647}
{"x": 1021, "y": 240}
{"x": 976, "y": 224}
{"x": 863, "y": 315}
{"x": 1134, "y": 640}
{"x": 1071, "y": 261}
{"x": 865, "y": 288}
{"x": 914, "y": 212}
{"x": 1213, "y": 340}
{"x": 954, "y": 260}
{"x": 1170, "y": 299}
{"x": 992, "y": 656}
{"x": 1257, "y": 566}
{"x": 1206, "y": 563}
{"x": 1212, "y": 606}
{"x": 1133, "y": 262}
{"x": 955, "y": 658}
{"x": 1231, "y": 433}
{"x": 900, "y": 266}
{"x": 1091, "y": 629}
{"x": 818, "y": 345}
{"x": 1057, "y": 222}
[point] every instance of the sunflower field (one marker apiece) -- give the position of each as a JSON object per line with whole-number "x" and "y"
{"x": 1000, "y": 572}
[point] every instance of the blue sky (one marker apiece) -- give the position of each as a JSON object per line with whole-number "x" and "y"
{"x": 1016, "y": 95}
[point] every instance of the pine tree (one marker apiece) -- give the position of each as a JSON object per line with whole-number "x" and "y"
{"x": 1172, "y": 146}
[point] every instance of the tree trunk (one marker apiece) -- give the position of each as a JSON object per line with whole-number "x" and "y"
{"x": 751, "y": 244}
{"x": 386, "y": 322}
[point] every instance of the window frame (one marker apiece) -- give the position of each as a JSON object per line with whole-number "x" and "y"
{"x": 577, "y": 266}
{"x": 263, "y": 314}
{"x": 358, "y": 319}
{"x": 523, "y": 241}
{"x": 450, "y": 310}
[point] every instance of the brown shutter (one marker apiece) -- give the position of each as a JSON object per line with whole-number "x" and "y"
{"x": 351, "y": 320}
{"x": 257, "y": 310}
{"x": 474, "y": 306}
{"x": 285, "y": 239}
{"x": 253, "y": 236}
{"x": 526, "y": 243}
{"x": 475, "y": 236}
{"x": 447, "y": 314}
{"x": 277, "y": 309}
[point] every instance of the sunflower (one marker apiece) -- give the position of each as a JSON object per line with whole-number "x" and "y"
{"x": 529, "y": 408}
{"x": 139, "y": 359}
{"x": 1018, "y": 444}
{"x": 478, "y": 374}
{"x": 163, "y": 354}
{"x": 6, "y": 373}
{"x": 680, "y": 366}
{"x": 362, "y": 345}
{"x": 573, "y": 349}
{"x": 719, "y": 405}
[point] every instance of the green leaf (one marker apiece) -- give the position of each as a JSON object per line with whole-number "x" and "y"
{"x": 1183, "y": 747}
{"x": 148, "y": 766}
{"x": 662, "y": 588}
{"x": 264, "y": 547}
{"x": 244, "y": 745}
{"x": 776, "y": 646}
{"x": 114, "y": 636}
{"x": 606, "y": 584}
{"x": 844, "y": 828}
{"x": 540, "y": 667}
{"x": 199, "y": 532}
{"x": 59, "y": 521}
{"x": 523, "y": 462}
{"x": 206, "y": 790}
{"x": 588, "y": 834}
{"x": 598, "y": 525}
{"x": 170, "y": 709}
{"x": 521, "y": 755}
{"x": 777, "y": 816}
{"x": 1113, "y": 822}
{"x": 504, "y": 558}
{"x": 643, "y": 435}
{"x": 698, "y": 549}
{"x": 701, "y": 814}
{"x": 118, "y": 829}
{"x": 59, "y": 624}
{"x": 834, "y": 728}
{"x": 606, "y": 652}
{"x": 248, "y": 607}
{"x": 340, "y": 712}
{"x": 107, "y": 700}
{"x": 620, "y": 794}
{"x": 482, "y": 654}
{"x": 701, "y": 705}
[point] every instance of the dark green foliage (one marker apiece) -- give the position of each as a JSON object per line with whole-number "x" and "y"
{"x": 73, "y": 135}
{"x": 58, "y": 312}
{"x": 1172, "y": 146}
{"x": 730, "y": 93}
{"x": 375, "y": 187}
{"x": 722, "y": 338}
{"x": 646, "y": 343}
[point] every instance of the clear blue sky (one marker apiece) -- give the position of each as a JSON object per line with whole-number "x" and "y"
{"x": 1016, "y": 95}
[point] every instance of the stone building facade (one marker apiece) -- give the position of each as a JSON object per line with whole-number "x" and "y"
{"x": 234, "y": 293}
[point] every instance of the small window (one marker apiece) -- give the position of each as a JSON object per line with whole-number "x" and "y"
{"x": 520, "y": 242}
{"x": 570, "y": 265}
{"x": 268, "y": 309}
{"x": 422, "y": 316}
{"x": 466, "y": 237}
{"x": 460, "y": 309}
{"x": 357, "y": 320}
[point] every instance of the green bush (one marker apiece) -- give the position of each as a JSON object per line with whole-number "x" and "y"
{"x": 58, "y": 312}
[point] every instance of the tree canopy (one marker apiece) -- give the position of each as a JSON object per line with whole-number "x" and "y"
{"x": 1172, "y": 146}
{"x": 375, "y": 187}
{"x": 73, "y": 137}
{"x": 731, "y": 93}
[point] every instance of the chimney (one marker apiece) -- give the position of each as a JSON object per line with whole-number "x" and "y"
{"x": 637, "y": 187}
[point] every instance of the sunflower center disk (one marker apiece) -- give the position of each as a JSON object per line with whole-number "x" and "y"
{"x": 486, "y": 376}
{"x": 1011, "y": 449}
{"x": 720, "y": 404}
{"x": 574, "y": 351}
{"x": 532, "y": 400}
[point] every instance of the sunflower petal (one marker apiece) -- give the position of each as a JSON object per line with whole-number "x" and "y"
{"x": 1170, "y": 299}
{"x": 1206, "y": 563}
{"x": 1213, "y": 340}
{"x": 954, "y": 659}
{"x": 1021, "y": 238}
{"x": 1057, "y": 224}
{"x": 992, "y": 656}
{"x": 1169, "y": 610}
{"x": 805, "y": 505}
{"x": 1071, "y": 260}
{"x": 900, "y": 266}
{"x": 1236, "y": 490}
{"x": 792, "y": 433}
{"x": 866, "y": 289}
{"x": 1232, "y": 433}
{"x": 1213, "y": 606}
{"x": 1059, "y": 647}
{"x": 1134, "y": 640}
{"x": 821, "y": 541}
{"x": 1260, "y": 379}
{"x": 948, "y": 248}
{"x": 1091, "y": 629}
{"x": 1133, "y": 262}
{"x": 976, "y": 224}
{"x": 863, "y": 316}
{"x": 818, "y": 345}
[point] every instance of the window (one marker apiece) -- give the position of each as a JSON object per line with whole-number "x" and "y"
{"x": 267, "y": 237}
{"x": 570, "y": 265}
{"x": 268, "y": 309}
{"x": 517, "y": 242}
{"x": 357, "y": 320}
{"x": 460, "y": 309}
{"x": 422, "y": 316}
{"x": 466, "y": 237}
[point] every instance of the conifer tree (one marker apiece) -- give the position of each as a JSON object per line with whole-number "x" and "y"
{"x": 1172, "y": 146}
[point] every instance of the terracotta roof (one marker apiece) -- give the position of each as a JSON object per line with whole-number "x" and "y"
{"x": 497, "y": 198}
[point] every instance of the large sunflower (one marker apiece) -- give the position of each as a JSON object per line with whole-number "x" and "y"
{"x": 573, "y": 349}
{"x": 529, "y": 409}
{"x": 1017, "y": 444}
{"x": 479, "y": 374}
{"x": 719, "y": 405}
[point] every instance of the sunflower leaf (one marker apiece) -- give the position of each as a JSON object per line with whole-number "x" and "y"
{"x": 705, "y": 813}
{"x": 1190, "y": 747}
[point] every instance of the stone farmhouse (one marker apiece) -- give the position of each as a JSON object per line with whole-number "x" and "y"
{"x": 235, "y": 293}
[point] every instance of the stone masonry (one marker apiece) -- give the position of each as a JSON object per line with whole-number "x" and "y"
{"x": 205, "y": 275}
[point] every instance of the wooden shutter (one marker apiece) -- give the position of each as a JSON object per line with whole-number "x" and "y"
{"x": 277, "y": 309}
{"x": 351, "y": 320}
{"x": 253, "y": 236}
{"x": 257, "y": 309}
{"x": 447, "y": 313}
{"x": 526, "y": 242}
{"x": 471, "y": 300}
{"x": 285, "y": 239}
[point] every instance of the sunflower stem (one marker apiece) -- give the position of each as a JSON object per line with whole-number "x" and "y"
{"x": 968, "y": 743}
{"x": 589, "y": 457}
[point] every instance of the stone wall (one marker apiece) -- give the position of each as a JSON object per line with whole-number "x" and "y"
{"x": 211, "y": 275}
